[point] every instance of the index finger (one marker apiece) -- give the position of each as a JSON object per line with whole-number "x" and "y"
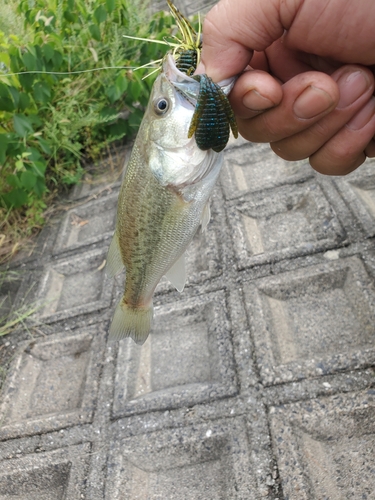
{"x": 233, "y": 29}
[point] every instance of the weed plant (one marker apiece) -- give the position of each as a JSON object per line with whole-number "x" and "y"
{"x": 61, "y": 114}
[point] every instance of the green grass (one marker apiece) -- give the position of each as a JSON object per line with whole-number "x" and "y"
{"x": 51, "y": 126}
{"x": 10, "y": 21}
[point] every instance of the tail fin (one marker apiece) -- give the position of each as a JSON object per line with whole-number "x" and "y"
{"x": 134, "y": 322}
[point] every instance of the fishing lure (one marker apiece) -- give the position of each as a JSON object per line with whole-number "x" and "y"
{"x": 213, "y": 116}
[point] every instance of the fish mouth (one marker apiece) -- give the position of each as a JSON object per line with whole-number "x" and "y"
{"x": 187, "y": 85}
{"x": 184, "y": 84}
{"x": 173, "y": 74}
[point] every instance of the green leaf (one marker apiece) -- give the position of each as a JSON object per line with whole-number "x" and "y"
{"x": 110, "y": 5}
{"x": 15, "y": 95}
{"x": 57, "y": 59}
{"x": 45, "y": 146}
{"x": 32, "y": 154}
{"x": 24, "y": 101}
{"x": 28, "y": 180}
{"x": 70, "y": 17}
{"x": 15, "y": 198}
{"x": 13, "y": 181}
{"x": 121, "y": 84}
{"x": 100, "y": 14}
{"x": 26, "y": 81}
{"x": 135, "y": 118}
{"x": 112, "y": 93}
{"x": 135, "y": 90}
{"x": 22, "y": 125}
{"x": 70, "y": 4}
{"x": 108, "y": 113}
{"x": 19, "y": 165}
{"x": 3, "y": 148}
{"x": 6, "y": 104}
{"x": 95, "y": 32}
{"x": 42, "y": 92}
{"x": 15, "y": 146}
{"x": 39, "y": 168}
{"x": 40, "y": 187}
{"x": 4, "y": 58}
{"x": 29, "y": 61}
{"x": 4, "y": 92}
{"x": 35, "y": 120}
{"x": 48, "y": 51}
{"x": 118, "y": 130}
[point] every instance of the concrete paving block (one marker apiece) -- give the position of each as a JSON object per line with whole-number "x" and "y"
{"x": 73, "y": 286}
{"x": 325, "y": 448}
{"x": 187, "y": 359}
{"x": 57, "y": 475}
{"x": 105, "y": 177}
{"x": 87, "y": 224}
{"x": 312, "y": 321}
{"x": 52, "y": 383}
{"x": 235, "y": 143}
{"x": 246, "y": 369}
{"x": 203, "y": 462}
{"x": 358, "y": 190}
{"x": 10, "y": 291}
{"x": 282, "y": 223}
{"x": 350, "y": 381}
{"x": 255, "y": 167}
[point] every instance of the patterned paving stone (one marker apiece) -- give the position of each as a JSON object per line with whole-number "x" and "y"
{"x": 283, "y": 223}
{"x": 56, "y": 475}
{"x": 203, "y": 462}
{"x": 325, "y": 448}
{"x": 190, "y": 337}
{"x": 87, "y": 224}
{"x": 313, "y": 321}
{"x": 52, "y": 383}
{"x": 358, "y": 189}
{"x": 73, "y": 286}
{"x": 111, "y": 170}
{"x": 10, "y": 291}
{"x": 255, "y": 167}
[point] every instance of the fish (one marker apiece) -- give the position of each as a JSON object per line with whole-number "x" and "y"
{"x": 163, "y": 199}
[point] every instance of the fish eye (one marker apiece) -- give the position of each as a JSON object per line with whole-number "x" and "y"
{"x": 161, "y": 106}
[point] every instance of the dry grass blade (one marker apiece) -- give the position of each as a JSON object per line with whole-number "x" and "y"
{"x": 10, "y": 323}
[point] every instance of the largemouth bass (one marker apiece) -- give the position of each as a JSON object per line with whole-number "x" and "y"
{"x": 163, "y": 200}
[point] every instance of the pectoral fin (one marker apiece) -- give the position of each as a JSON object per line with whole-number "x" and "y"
{"x": 206, "y": 216}
{"x": 114, "y": 263}
{"x": 177, "y": 274}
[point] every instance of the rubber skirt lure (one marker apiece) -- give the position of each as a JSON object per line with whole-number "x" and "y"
{"x": 213, "y": 117}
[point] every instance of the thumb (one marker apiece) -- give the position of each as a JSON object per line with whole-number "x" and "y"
{"x": 234, "y": 28}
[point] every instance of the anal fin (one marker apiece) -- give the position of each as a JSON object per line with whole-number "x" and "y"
{"x": 177, "y": 273}
{"x": 206, "y": 216}
{"x": 114, "y": 263}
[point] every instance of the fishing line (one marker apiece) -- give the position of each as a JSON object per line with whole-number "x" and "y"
{"x": 67, "y": 72}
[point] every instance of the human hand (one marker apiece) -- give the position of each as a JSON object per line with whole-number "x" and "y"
{"x": 309, "y": 89}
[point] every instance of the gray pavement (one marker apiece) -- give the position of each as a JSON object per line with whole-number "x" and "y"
{"x": 257, "y": 382}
